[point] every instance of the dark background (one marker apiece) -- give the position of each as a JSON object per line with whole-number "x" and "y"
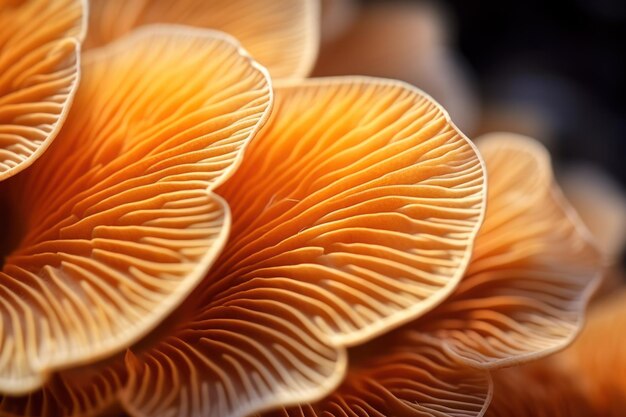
{"x": 563, "y": 57}
{"x": 566, "y": 58}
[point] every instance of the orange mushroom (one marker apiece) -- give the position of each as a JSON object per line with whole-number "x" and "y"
{"x": 598, "y": 358}
{"x": 534, "y": 390}
{"x": 262, "y": 331}
{"x": 282, "y": 35}
{"x": 522, "y": 298}
{"x": 403, "y": 374}
{"x": 39, "y": 47}
{"x": 586, "y": 379}
{"x": 118, "y": 221}
{"x": 533, "y": 270}
{"x": 354, "y": 210}
{"x": 601, "y": 203}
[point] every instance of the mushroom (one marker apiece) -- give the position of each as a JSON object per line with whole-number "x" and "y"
{"x": 117, "y": 222}
{"x": 89, "y": 391}
{"x": 39, "y": 47}
{"x": 598, "y": 359}
{"x": 601, "y": 203}
{"x": 403, "y": 374}
{"x": 282, "y": 35}
{"x": 534, "y": 267}
{"x": 354, "y": 211}
{"x": 535, "y": 390}
{"x": 522, "y": 298}
{"x": 261, "y": 331}
{"x": 586, "y": 379}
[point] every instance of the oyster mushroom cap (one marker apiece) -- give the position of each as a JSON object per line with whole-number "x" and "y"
{"x": 374, "y": 197}
{"x": 354, "y": 211}
{"x": 533, "y": 270}
{"x": 283, "y": 35}
{"x": 257, "y": 335}
{"x": 39, "y": 71}
{"x": 118, "y": 221}
{"x": 517, "y": 302}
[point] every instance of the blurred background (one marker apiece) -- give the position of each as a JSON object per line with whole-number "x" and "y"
{"x": 552, "y": 70}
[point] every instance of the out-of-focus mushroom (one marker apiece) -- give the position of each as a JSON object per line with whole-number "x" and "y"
{"x": 354, "y": 211}
{"x": 519, "y": 118}
{"x": 516, "y": 303}
{"x": 409, "y": 42}
{"x": 601, "y": 204}
{"x": 336, "y": 17}
{"x": 39, "y": 48}
{"x": 117, "y": 222}
{"x": 282, "y": 35}
{"x": 534, "y": 390}
{"x": 534, "y": 266}
{"x": 586, "y": 379}
{"x": 598, "y": 358}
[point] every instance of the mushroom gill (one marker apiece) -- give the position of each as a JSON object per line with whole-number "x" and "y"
{"x": 39, "y": 48}
{"x": 89, "y": 391}
{"x": 254, "y": 335}
{"x": 118, "y": 221}
{"x": 516, "y": 305}
{"x": 533, "y": 269}
{"x": 354, "y": 211}
{"x": 282, "y": 35}
{"x": 405, "y": 374}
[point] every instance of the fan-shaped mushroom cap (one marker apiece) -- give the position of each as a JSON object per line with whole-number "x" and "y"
{"x": 282, "y": 35}
{"x": 117, "y": 221}
{"x": 354, "y": 211}
{"x": 533, "y": 269}
{"x": 403, "y": 375}
{"x": 522, "y": 297}
{"x": 39, "y": 48}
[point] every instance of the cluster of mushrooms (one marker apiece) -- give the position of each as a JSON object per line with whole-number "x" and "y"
{"x": 192, "y": 227}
